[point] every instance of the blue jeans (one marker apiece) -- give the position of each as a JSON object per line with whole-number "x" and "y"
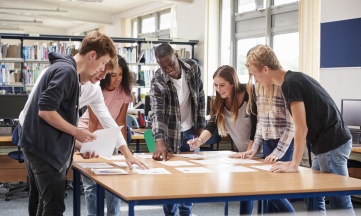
{"x": 246, "y": 207}
{"x": 90, "y": 191}
{"x": 185, "y": 209}
{"x": 47, "y": 186}
{"x": 334, "y": 161}
{"x": 113, "y": 202}
{"x": 278, "y": 205}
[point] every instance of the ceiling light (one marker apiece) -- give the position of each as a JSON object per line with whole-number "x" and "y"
{"x": 33, "y": 12}
{"x": 21, "y": 22}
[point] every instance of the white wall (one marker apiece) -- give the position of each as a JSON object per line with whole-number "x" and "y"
{"x": 341, "y": 82}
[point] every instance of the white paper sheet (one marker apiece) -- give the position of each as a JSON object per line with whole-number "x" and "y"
{"x": 95, "y": 165}
{"x": 193, "y": 156}
{"x": 239, "y": 160}
{"x": 207, "y": 162}
{"x": 176, "y": 163}
{"x": 115, "y": 157}
{"x": 152, "y": 171}
{"x": 268, "y": 167}
{"x": 194, "y": 170}
{"x": 145, "y": 156}
{"x": 109, "y": 171}
{"x": 124, "y": 164}
{"x": 104, "y": 144}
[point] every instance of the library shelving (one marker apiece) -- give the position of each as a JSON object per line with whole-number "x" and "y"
{"x": 23, "y": 56}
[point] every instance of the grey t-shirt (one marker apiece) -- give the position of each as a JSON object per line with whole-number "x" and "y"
{"x": 240, "y": 130}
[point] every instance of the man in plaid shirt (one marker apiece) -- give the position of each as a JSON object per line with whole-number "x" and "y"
{"x": 177, "y": 109}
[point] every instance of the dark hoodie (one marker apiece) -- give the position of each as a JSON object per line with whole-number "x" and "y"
{"x": 57, "y": 90}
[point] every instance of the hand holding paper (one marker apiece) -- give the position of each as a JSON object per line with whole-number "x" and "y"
{"x": 104, "y": 144}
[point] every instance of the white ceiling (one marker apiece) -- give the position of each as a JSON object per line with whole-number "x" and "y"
{"x": 78, "y": 13}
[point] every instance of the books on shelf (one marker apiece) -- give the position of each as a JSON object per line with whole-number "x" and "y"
{"x": 41, "y": 52}
{"x": 128, "y": 53}
{"x": 9, "y": 51}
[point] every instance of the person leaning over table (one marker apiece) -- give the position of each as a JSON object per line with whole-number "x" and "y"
{"x": 231, "y": 116}
{"x": 316, "y": 118}
{"x": 275, "y": 130}
{"x": 177, "y": 109}
{"x": 115, "y": 93}
{"x": 48, "y": 121}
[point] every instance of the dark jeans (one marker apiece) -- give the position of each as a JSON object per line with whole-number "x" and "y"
{"x": 278, "y": 205}
{"x": 185, "y": 209}
{"x": 47, "y": 186}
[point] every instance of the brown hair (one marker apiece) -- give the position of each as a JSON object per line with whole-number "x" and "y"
{"x": 260, "y": 56}
{"x": 229, "y": 74}
{"x": 100, "y": 43}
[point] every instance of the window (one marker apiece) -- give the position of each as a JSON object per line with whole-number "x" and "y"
{"x": 165, "y": 21}
{"x": 154, "y": 25}
{"x": 134, "y": 29}
{"x": 226, "y": 32}
{"x": 250, "y": 5}
{"x": 281, "y": 2}
{"x": 258, "y": 22}
{"x": 286, "y": 48}
{"x": 242, "y": 48}
{"x": 148, "y": 25}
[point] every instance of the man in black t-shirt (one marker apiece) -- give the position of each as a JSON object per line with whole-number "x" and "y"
{"x": 315, "y": 116}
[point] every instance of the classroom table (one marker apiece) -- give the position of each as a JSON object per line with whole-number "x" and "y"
{"x": 137, "y": 135}
{"x": 356, "y": 150}
{"x": 5, "y": 140}
{"x": 222, "y": 185}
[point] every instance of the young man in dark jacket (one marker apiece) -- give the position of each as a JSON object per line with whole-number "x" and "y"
{"x": 49, "y": 119}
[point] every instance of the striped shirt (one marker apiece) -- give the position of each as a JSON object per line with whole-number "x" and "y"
{"x": 274, "y": 124}
{"x": 165, "y": 110}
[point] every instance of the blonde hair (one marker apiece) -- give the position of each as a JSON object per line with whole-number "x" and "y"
{"x": 229, "y": 74}
{"x": 260, "y": 56}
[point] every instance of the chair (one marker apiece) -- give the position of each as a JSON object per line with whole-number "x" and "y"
{"x": 129, "y": 135}
{"x": 132, "y": 122}
{"x": 149, "y": 140}
{"x": 16, "y": 155}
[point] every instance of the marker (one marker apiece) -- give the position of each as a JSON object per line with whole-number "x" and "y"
{"x": 197, "y": 149}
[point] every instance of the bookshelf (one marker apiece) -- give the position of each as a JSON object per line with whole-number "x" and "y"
{"x": 26, "y": 56}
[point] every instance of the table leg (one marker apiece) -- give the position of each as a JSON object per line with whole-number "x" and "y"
{"x": 131, "y": 208}
{"x": 226, "y": 208}
{"x": 100, "y": 200}
{"x": 137, "y": 146}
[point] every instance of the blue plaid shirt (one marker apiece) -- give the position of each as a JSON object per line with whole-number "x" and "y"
{"x": 165, "y": 110}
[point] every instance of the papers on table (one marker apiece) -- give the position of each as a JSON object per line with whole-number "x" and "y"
{"x": 194, "y": 170}
{"x": 124, "y": 164}
{"x": 268, "y": 167}
{"x": 239, "y": 160}
{"x": 109, "y": 171}
{"x": 193, "y": 156}
{"x": 104, "y": 144}
{"x": 226, "y": 160}
{"x": 115, "y": 157}
{"x": 145, "y": 156}
{"x": 152, "y": 171}
{"x": 95, "y": 165}
{"x": 207, "y": 162}
{"x": 176, "y": 163}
